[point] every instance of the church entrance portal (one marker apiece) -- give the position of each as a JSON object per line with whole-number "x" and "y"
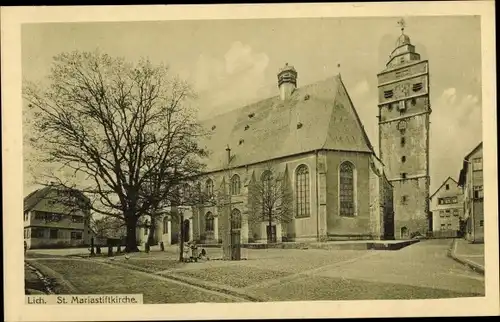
{"x": 185, "y": 230}
{"x": 404, "y": 232}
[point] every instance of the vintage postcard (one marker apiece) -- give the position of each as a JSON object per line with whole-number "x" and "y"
{"x": 249, "y": 161}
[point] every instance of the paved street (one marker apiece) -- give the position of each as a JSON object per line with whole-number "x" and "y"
{"x": 422, "y": 270}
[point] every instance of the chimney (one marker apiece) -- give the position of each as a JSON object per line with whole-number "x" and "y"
{"x": 287, "y": 81}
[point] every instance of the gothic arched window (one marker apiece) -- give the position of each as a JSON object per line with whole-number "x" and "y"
{"x": 209, "y": 222}
{"x": 235, "y": 219}
{"x": 267, "y": 180}
{"x": 235, "y": 185}
{"x": 165, "y": 225}
{"x": 347, "y": 189}
{"x": 186, "y": 190}
{"x": 209, "y": 187}
{"x": 302, "y": 191}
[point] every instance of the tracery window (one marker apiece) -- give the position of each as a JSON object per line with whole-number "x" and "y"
{"x": 209, "y": 187}
{"x": 347, "y": 189}
{"x": 235, "y": 219}
{"x": 302, "y": 191}
{"x": 209, "y": 222}
{"x": 165, "y": 225}
{"x": 235, "y": 185}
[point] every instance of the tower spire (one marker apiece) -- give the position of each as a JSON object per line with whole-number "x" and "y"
{"x": 402, "y": 24}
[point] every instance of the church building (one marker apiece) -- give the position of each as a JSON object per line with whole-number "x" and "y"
{"x": 311, "y": 136}
{"x": 312, "y": 139}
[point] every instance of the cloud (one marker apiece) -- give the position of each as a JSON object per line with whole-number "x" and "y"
{"x": 456, "y": 128}
{"x": 362, "y": 88}
{"x": 228, "y": 82}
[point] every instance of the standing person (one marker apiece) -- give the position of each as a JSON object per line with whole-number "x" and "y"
{"x": 194, "y": 251}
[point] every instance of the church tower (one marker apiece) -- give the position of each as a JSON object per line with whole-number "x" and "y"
{"x": 404, "y": 119}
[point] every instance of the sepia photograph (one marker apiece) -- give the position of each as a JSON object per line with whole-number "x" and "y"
{"x": 242, "y": 159}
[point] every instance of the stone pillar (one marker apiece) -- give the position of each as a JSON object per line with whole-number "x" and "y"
{"x": 216, "y": 229}
{"x": 278, "y": 233}
{"x": 191, "y": 222}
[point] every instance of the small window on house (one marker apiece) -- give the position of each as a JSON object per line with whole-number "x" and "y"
{"x": 455, "y": 212}
{"x": 251, "y": 115}
{"x": 53, "y": 233}
{"x": 478, "y": 192}
{"x": 402, "y": 60}
{"x": 389, "y": 107}
{"x": 145, "y": 231}
{"x": 299, "y": 125}
{"x": 417, "y": 87}
{"x": 403, "y": 141}
{"x": 447, "y": 187}
{"x": 306, "y": 97}
{"x": 247, "y": 127}
{"x": 403, "y": 175}
{"x": 440, "y": 201}
{"x": 214, "y": 127}
{"x": 241, "y": 141}
{"x": 477, "y": 164}
{"x": 441, "y": 213}
{"x": 404, "y": 200}
{"x": 481, "y": 223}
{"x": 76, "y": 235}
{"x": 413, "y": 102}
{"x": 403, "y": 159}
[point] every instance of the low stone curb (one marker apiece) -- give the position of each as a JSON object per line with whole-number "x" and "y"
{"x": 212, "y": 287}
{"x": 190, "y": 281}
{"x": 48, "y": 272}
{"x": 473, "y": 266}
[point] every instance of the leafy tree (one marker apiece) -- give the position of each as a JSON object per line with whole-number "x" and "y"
{"x": 271, "y": 200}
{"x": 124, "y": 134}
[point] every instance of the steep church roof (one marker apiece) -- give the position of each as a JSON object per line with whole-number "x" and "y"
{"x": 317, "y": 116}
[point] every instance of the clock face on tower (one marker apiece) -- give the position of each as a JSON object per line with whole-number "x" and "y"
{"x": 402, "y": 90}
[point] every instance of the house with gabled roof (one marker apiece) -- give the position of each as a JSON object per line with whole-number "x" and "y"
{"x": 55, "y": 218}
{"x": 313, "y": 136}
{"x": 447, "y": 209}
{"x": 471, "y": 181}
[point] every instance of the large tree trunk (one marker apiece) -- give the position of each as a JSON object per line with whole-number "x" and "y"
{"x": 270, "y": 230}
{"x": 131, "y": 221}
{"x": 152, "y": 231}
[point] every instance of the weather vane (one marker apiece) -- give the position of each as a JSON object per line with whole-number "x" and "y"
{"x": 402, "y": 24}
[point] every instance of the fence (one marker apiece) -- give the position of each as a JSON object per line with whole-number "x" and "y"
{"x": 443, "y": 234}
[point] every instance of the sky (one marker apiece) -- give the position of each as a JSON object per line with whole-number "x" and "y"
{"x": 231, "y": 63}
